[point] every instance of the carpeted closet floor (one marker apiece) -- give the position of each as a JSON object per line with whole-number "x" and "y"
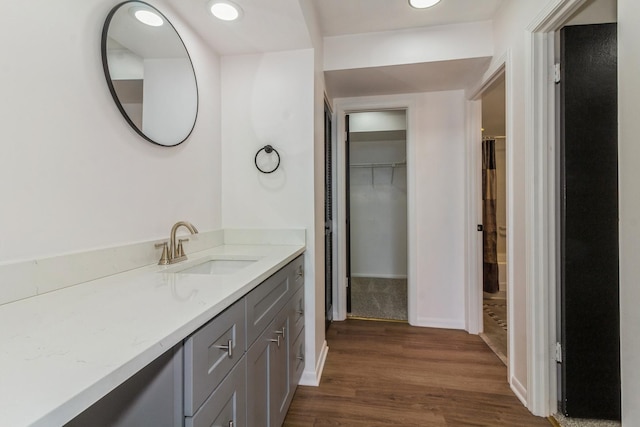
{"x": 377, "y": 298}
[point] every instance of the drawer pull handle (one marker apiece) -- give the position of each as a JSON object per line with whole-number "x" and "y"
{"x": 300, "y": 357}
{"x": 300, "y": 312}
{"x": 282, "y": 332}
{"x": 231, "y": 423}
{"x": 277, "y": 341}
{"x": 300, "y": 272}
{"x": 228, "y": 348}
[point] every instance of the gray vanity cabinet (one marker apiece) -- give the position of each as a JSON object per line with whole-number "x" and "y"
{"x": 272, "y": 374}
{"x": 268, "y": 387}
{"x": 238, "y": 370}
{"x": 210, "y": 354}
{"x": 226, "y": 407}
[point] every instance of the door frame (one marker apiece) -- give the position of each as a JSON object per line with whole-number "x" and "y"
{"x": 502, "y": 67}
{"x": 541, "y": 207}
{"x": 343, "y": 106}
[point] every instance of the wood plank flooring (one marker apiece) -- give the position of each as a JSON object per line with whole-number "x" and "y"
{"x": 382, "y": 373}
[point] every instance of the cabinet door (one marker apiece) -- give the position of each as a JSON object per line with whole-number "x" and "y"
{"x": 279, "y": 382}
{"x": 226, "y": 407}
{"x": 210, "y": 354}
{"x": 258, "y": 375}
{"x": 268, "y": 372}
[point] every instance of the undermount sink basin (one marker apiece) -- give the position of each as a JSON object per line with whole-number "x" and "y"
{"x": 218, "y": 266}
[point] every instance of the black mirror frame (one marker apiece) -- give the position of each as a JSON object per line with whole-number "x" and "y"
{"x": 107, "y": 74}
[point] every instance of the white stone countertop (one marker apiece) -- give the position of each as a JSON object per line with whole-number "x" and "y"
{"x": 62, "y": 351}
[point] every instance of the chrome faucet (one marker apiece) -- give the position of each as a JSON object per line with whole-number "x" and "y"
{"x": 173, "y": 253}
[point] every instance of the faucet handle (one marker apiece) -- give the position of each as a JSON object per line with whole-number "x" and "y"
{"x": 180, "y": 250}
{"x": 164, "y": 258}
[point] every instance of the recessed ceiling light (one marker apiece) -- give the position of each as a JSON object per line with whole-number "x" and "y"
{"x": 147, "y": 17}
{"x": 225, "y": 10}
{"x": 423, "y": 4}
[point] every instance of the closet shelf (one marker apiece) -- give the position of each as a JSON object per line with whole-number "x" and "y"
{"x": 372, "y": 166}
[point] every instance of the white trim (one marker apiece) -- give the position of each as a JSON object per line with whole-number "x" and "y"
{"x": 510, "y": 220}
{"x": 473, "y": 241}
{"x": 312, "y": 378}
{"x": 519, "y": 390}
{"x": 440, "y": 323}
{"x": 540, "y": 205}
{"x": 372, "y": 103}
{"x": 379, "y": 276}
{"x": 335, "y": 205}
{"x": 474, "y": 294}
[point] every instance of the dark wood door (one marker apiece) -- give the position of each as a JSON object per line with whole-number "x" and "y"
{"x": 328, "y": 217}
{"x": 590, "y": 315}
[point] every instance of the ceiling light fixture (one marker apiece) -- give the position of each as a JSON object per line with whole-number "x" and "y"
{"x": 147, "y": 17}
{"x": 423, "y": 4}
{"x": 225, "y": 10}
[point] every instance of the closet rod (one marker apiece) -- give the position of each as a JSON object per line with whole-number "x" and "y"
{"x": 378, "y": 165}
{"x": 494, "y": 137}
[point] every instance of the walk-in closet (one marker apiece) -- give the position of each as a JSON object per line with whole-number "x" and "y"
{"x": 377, "y": 197}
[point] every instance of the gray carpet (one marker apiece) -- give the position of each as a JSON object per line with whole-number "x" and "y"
{"x": 578, "y": 422}
{"x": 377, "y": 298}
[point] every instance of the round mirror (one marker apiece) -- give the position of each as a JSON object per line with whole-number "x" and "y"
{"x": 149, "y": 73}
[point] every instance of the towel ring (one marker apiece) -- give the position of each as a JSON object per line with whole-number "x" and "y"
{"x": 267, "y": 149}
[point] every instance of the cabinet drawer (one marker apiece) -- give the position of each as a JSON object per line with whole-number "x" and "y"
{"x": 296, "y": 271}
{"x": 207, "y": 357}
{"x": 265, "y": 301}
{"x": 296, "y": 313}
{"x": 227, "y": 405}
{"x": 296, "y": 360}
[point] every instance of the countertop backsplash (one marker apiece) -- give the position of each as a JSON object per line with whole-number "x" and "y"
{"x": 25, "y": 279}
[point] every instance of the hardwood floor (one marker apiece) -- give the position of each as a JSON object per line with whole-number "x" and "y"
{"x": 381, "y": 374}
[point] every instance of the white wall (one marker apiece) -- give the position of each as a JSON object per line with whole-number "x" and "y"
{"x": 269, "y": 99}
{"x": 440, "y": 205}
{"x": 440, "y": 43}
{"x": 374, "y": 121}
{"x": 629, "y": 170}
{"x": 378, "y": 208}
{"x": 73, "y": 174}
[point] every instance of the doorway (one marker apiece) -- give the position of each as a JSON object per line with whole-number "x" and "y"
{"x": 376, "y": 206}
{"x": 494, "y": 218}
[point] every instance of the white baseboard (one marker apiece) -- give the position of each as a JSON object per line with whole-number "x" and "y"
{"x": 519, "y": 390}
{"x": 312, "y": 378}
{"x": 379, "y": 276}
{"x": 432, "y": 322}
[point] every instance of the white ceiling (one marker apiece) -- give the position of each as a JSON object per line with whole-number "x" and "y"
{"x": 339, "y": 17}
{"x": 410, "y": 78}
{"x": 275, "y": 25}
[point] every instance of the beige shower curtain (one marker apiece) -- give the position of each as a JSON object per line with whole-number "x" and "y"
{"x": 490, "y": 232}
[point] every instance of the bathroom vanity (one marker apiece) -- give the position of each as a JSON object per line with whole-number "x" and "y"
{"x": 239, "y": 369}
{"x": 214, "y": 340}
